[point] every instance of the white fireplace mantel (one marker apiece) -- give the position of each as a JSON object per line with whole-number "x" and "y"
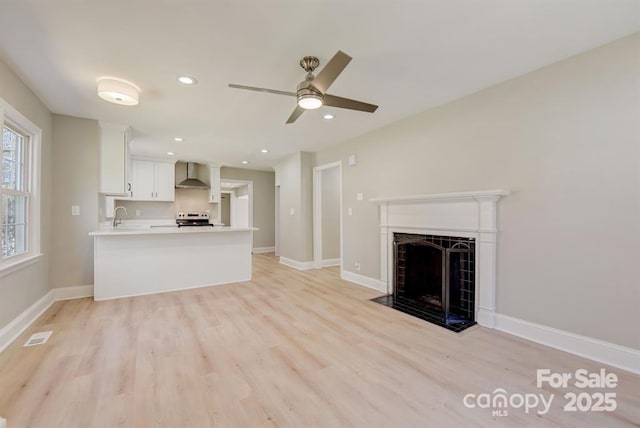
{"x": 465, "y": 214}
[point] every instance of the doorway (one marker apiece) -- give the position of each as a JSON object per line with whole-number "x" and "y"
{"x": 236, "y": 208}
{"x": 327, "y": 215}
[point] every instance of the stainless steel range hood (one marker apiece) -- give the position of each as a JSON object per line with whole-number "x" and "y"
{"x": 192, "y": 181}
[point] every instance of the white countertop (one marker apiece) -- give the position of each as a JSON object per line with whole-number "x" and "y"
{"x": 157, "y": 230}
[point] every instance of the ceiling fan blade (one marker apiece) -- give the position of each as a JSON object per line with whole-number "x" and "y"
{"x": 331, "y": 71}
{"x": 269, "y": 91}
{"x": 333, "y": 101}
{"x": 295, "y": 115}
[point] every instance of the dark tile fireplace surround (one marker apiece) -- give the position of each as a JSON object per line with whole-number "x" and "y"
{"x": 434, "y": 279}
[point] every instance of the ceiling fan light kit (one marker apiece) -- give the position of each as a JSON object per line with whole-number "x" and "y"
{"x": 118, "y": 91}
{"x": 312, "y": 93}
{"x": 310, "y": 100}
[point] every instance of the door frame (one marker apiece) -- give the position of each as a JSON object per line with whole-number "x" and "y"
{"x": 317, "y": 212}
{"x": 277, "y": 221}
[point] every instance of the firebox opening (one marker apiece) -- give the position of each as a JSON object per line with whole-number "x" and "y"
{"x": 434, "y": 279}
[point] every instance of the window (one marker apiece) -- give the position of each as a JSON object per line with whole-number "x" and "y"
{"x": 15, "y": 197}
{"x": 19, "y": 198}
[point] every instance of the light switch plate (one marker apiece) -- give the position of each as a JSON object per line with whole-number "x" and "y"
{"x": 137, "y": 213}
{"x": 359, "y": 196}
{"x": 350, "y": 211}
{"x": 353, "y": 160}
{"x": 75, "y": 210}
{"x": 291, "y": 211}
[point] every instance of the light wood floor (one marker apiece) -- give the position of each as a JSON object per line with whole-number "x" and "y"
{"x": 290, "y": 348}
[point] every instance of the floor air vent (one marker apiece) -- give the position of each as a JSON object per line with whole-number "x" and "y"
{"x": 38, "y": 338}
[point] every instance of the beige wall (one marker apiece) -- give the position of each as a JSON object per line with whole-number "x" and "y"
{"x": 330, "y": 215}
{"x": 263, "y": 202}
{"x": 295, "y": 179}
{"x": 22, "y": 288}
{"x": 76, "y": 145}
{"x": 565, "y": 140}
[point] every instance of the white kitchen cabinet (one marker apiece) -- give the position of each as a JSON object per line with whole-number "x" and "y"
{"x": 152, "y": 181}
{"x": 165, "y": 181}
{"x": 214, "y": 178}
{"x": 114, "y": 159}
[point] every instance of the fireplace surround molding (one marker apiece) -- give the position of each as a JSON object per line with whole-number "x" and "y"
{"x": 463, "y": 214}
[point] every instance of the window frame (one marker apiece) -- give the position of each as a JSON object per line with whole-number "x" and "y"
{"x": 31, "y": 176}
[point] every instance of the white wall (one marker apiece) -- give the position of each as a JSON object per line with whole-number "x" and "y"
{"x": 22, "y": 288}
{"x": 565, "y": 140}
{"x": 241, "y": 212}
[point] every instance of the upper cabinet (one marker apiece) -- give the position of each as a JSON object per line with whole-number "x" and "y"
{"x": 152, "y": 181}
{"x": 114, "y": 159}
{"x": 214, "y": 177}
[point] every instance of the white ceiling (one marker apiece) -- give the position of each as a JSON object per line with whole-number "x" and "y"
{"x": 407, "y": 56}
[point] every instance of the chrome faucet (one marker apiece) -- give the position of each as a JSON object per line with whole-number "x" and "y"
{"x": 117, "y": 221}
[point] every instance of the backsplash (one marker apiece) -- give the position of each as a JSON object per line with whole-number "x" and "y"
{"x": 187, "y": 200}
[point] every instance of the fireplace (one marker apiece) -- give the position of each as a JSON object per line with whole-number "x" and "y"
{"x": 435, "y": 278}
{"x": 456, "y": 234}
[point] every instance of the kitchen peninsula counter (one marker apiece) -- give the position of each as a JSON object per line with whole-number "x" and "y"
{"x": 133, "y": 261}
{"x": 152, "y": 230}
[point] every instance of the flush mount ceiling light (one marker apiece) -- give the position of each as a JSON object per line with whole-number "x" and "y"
{"x": 170, "y": 153}
{"x": 118, "y": 91}
{"x": 187, "y": 80}
{"x": 328, "y": 116}
{"x": 264, "y": 151}
{"x": 178, "y": 140}
{"x": 245, "y": 162}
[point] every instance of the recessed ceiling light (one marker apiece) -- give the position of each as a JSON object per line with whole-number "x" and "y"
{"x": 245, "y": 162}
{"x": 187, "y": 80}
{"x": 264, "y": 151}
{"x": 170, "y": 153}
{"x": 328, "y": 116}
{"x": 178, "y": 140}
{"x": 118, "y": 91}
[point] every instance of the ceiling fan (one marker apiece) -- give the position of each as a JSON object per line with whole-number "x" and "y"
{"x": 312, "y": 92}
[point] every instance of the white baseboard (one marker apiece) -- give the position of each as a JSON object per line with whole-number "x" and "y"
{"x": 329, "y": 263}
{"x": 296, "y": 264}
{"x": 587, "y": 347}
{"x": 76, "y": 292}
{"x": 11, "y": 331}
{"x": 365, "y": 281}
{"x": 260, "y": 250}
{"x": 15, "y": 328}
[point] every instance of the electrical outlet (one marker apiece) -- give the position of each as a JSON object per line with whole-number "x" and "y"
{"x": 75, "y": 210}
{"x": 359, "y": 196}
{"x": 137, "y": 213}
{"x": 357, "y": 266}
